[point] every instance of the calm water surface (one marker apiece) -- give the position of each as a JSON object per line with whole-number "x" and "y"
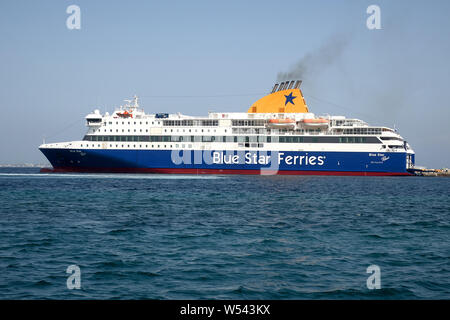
{"x": 223, "y": 237}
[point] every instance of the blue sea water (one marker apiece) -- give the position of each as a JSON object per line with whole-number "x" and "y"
{"x": 223, "y": 237}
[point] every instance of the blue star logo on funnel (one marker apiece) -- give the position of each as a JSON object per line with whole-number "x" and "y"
{"x": 290, "y": 98}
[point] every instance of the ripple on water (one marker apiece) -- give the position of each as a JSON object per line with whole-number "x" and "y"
{"x": 222, "y": 237}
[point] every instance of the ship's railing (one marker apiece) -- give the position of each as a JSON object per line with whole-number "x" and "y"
{"x": 282, "y": 132}
{"x": 299, "y": 131}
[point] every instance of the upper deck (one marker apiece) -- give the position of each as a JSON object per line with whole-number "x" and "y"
{"x": 279, "y": 120}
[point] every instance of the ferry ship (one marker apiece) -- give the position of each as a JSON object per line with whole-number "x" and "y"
{"x": 277, "y": 135}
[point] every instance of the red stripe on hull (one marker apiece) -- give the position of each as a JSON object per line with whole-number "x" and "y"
{"x": 222, "y": 171}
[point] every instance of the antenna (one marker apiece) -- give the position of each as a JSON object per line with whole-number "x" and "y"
{"x": 132, "y": 104}
{"x": 135, "y": 101}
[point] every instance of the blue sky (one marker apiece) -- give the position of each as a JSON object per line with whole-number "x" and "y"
{"x": 51, "y": 77}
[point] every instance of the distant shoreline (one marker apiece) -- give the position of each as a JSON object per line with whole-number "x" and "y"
{"x": 25, "y": 165}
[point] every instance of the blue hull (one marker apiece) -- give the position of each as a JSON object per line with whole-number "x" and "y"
{"x": 217, "y": 161}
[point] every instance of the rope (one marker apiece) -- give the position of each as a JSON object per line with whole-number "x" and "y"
{"x": 208, "y": 96}
{"x": 62, "y": 130}
{"x": 340, "y": 106}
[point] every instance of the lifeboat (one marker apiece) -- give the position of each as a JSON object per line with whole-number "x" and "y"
{"x": 281, "y": 123}
{"x": 315, "y": 123}
{"x": 125, "y": 114}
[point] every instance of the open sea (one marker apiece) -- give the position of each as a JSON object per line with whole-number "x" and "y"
{"x": 222, "y": 237}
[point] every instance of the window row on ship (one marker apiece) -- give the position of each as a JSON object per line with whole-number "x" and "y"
{"x": 356, "y": 131}
{"x": 188, "y": 123}
{"x": 190, "y": 146}
{"x": 184, "y": 123}
{"x": 263, "y": 139}
{"x": 245, "y": 123}
{"x": 146, "y": 130}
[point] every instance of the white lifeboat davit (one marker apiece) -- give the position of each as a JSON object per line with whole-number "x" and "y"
{"x": 281, "y": 123}
{"x": 315, "y": 123}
